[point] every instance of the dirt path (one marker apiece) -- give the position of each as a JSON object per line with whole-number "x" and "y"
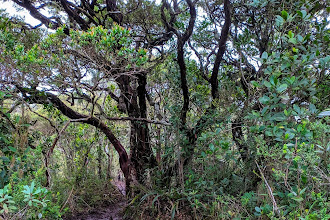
{"x": 112, "y": 212}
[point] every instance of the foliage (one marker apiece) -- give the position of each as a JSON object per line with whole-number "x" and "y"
{"x": 34, "y": 205}
{"x": 213, "y": 108}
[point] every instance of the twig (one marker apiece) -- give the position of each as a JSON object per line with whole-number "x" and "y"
{"x": 270, "y": 192}
{"x": 57, "y": 138}
{"x": 24, "y": 209}
{"x": 137, "y": 119}
{"x": 44, "y": 117}
{"x": 9, "y": 121}
{"x": 66, "y": 200}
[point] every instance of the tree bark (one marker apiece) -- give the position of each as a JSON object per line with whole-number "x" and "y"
{"x": 134, "y": 95}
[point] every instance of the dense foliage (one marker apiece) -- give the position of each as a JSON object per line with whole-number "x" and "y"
{"x": 207, "y": 109}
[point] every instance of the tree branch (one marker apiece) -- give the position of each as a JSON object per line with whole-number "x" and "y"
{"x": 36, "y": 14}
{"x": 222, "y": 48}
{"x": 37, "y": 97}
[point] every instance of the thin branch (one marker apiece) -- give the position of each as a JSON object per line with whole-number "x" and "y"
{"x": 138, "y": 119}
{"x": 66, "y": 200}
{"x": 9, "y": 121}
{"x": 270, "y": 192}
{"x": 44, "y": 117}
{"x": 50, "y": 151}
{"x": 37, "y": 15}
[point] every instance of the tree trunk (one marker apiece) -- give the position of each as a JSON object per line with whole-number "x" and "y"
{"x": 134, "y": 96}
{"x": 238, "y": 139}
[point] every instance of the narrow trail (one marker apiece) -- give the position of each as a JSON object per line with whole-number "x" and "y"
{"x": 112, "y": 212}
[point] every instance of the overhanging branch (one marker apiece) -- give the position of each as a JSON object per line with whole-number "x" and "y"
{"x": 37, "y": 97}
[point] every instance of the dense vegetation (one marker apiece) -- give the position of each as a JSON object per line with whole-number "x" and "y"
{"x": 207, "y": 109}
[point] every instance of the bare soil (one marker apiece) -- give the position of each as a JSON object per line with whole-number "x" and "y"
{"x": 113, "y": 212}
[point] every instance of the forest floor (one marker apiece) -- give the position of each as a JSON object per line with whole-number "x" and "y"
{"x": 111, "y": 212}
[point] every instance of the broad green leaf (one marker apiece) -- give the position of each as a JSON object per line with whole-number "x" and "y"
{"x": 12, "y": 149}
{"x": 264, "y": 110}
{"x": 296, "y": 108}
{"x": 281, "y": 88}
{"x": 292, "y": 40}
{"x": 284, "y": 14}
{"x": 312, "y": 108}
{"x": 300, "y": 38}
{"x": 302, "y": 13}
{"x": 255, "y": 83}
{"x": 211, "y": 146}
{"x": 279, "y": 21}
{"x": 264, "y": 99}
{"x": 264, "y": 55}
{"x": 267, "y": 84}
{"x": 5, "y": 207}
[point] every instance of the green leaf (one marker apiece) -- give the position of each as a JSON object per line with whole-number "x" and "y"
{"x": 173, "y": 211}
{"x": 264, "y": 99}
{"x": 295, "y": 50}
{"x": 255, "y": 83}
{"x": 292, "y": 40}
{"x": 212, "y": 148}
{"x": 292, "y": 79}
{"x": 5, "y": 159}
{"x": 296, "y": 108}
{"x": 267, "y": 84}
{"x": 312, "y": 108}
{"x": 279, "y": 21}
{"x": 17, "y": 119}
{"x": 5, "y": 207}
{"x": 255, "y": 113}
{"x": 12, "y": 149}
{"x": 279, "y": 117}
{"x": 264, "y": 110}
{"x": 284, "y": 14}
{"x": 273, "y": 80}
{"x": 298, "y": 199}
{"x": 300, "y": 38}
{"x": 11, "y": 207}
{"x": 302, "y": 13}
{"x": 302, "y": 191}
{"x": 281, "y": 88}
{"x": 264, "y": 55}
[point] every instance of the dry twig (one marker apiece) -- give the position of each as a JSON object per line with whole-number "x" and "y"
{"x": 270, "y": 192}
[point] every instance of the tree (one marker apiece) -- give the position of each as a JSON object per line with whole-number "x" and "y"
{"x": 242, "y": 70}
{"x": 97, "y": 53}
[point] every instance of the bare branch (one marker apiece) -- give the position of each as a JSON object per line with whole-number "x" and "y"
{"x": 222, "y": 48}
